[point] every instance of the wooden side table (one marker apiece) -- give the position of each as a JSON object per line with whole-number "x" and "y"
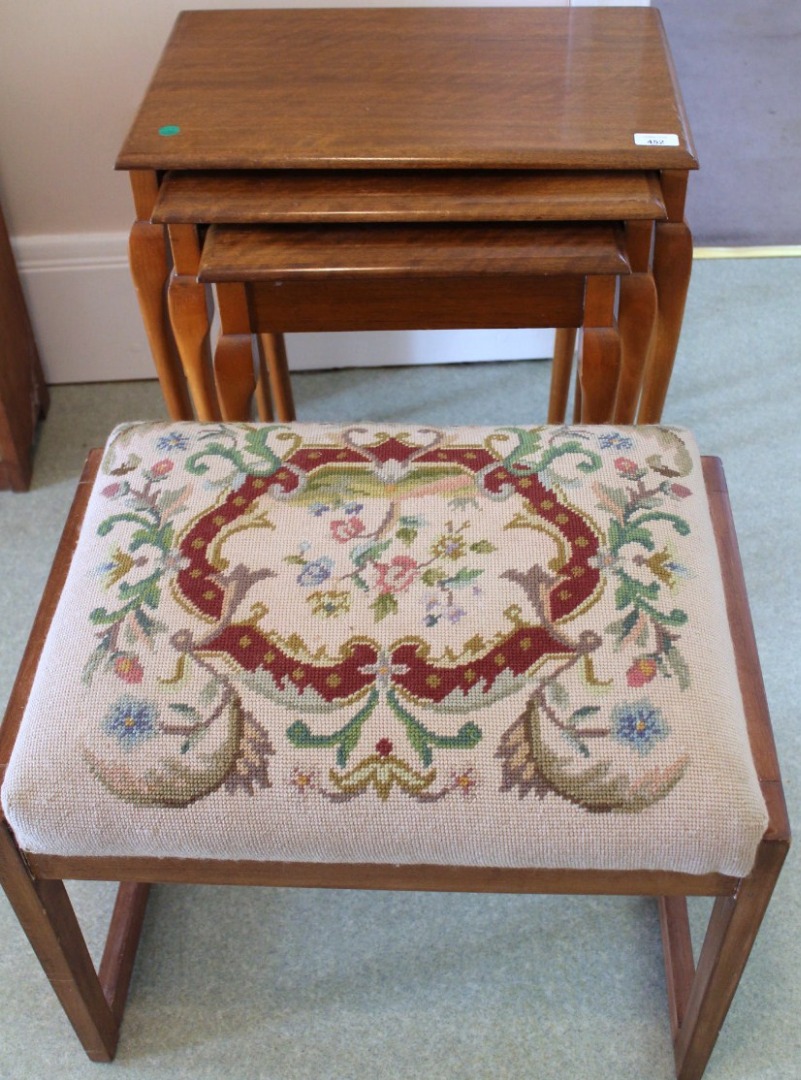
{"x": 480, "y": 93}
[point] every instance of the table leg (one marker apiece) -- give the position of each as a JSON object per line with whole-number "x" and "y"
{"x": 234, "y": 376}
{"x": 188, "y": 305}
{"x": 563, "y": 351}
{"x": 272, "y": 352}
{"x": 599, "y": 365}
{"x": 577, "y": 386}
{"x": 636, "y": 320}
{"x": 672, "y": 265}
{"x": 147, "y": 251}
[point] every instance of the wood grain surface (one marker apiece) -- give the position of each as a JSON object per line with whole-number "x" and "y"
{"x": 266, "y": 253}
{"x": 542, "y": 88}
{"x": 335, "y": 196}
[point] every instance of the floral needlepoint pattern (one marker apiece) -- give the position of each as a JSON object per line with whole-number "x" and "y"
{"x": 329, "y": 604}
{"x": 392, "y": 644}
{"x": 639, "y": 725}
{"x": 131, "y": 721}
{"x": 613, "y": 440}
{"x": 405, "y": 615}
{"x": 642, "y": 671}
{"x": 174, "y": 440}
{"x": 128, "y": 669}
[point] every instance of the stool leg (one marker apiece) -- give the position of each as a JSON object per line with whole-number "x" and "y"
{"x": 94, "y": 1003}
{"x": 673, "y": 256}
{"x": 47, "y": 917}
{"x": 563, "y": 351}
{"x": 730, "y": 935}
{"x": 273, "y": 353}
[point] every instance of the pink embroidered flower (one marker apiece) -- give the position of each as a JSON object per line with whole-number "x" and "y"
{"x": 110, "y": 490}
{"x": 162, "y": 468}
{"x": 626, "y": 467}
{"x": 128, "y": 669}
{"x": 642, "y": 671}
{"x": 680, "y": 491}
{"x": 345, "y": 529}
{"x": 396, "y": 575}
{"x": 465, "y": 782}
{"x": 302, "y": 781}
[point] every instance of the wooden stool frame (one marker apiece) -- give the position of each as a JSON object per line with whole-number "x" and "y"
{"x": 699, "y": 995}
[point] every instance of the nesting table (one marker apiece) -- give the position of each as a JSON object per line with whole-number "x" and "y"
{"x": 472, "y": 133}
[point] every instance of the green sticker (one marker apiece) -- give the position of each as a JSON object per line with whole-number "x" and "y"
{"x": 169, "y": 129}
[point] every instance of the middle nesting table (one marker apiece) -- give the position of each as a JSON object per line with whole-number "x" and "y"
{"x": 337, "y": 250}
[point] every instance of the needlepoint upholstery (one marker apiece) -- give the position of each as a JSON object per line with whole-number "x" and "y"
{"x": 393, "y": 644}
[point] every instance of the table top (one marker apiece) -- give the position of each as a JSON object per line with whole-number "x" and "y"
{"x": 504, "y": 88}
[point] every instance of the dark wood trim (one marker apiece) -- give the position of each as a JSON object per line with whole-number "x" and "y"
{"x": 381, "y": 876}
{"x": 122, "y": 941}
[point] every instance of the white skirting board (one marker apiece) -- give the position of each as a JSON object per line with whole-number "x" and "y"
{"x": 88, "y": 328}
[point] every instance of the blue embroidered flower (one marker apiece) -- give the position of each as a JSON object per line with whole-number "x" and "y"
{"x": 638, "y": 725}
{"x": 353, "y": 508}
{"x": 315, "y": 573}
{"x": 174, "y": 441}
{"x": 614, "y": 440}
{"x": 318, "y": 509}
{"x": 131, "y": 721}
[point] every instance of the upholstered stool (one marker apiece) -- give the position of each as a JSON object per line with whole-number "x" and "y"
{"x": 348, "y": 648}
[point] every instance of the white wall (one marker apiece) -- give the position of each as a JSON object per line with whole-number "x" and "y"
{"x": 72, "y": 74}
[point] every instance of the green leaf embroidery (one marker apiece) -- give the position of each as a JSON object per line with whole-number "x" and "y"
{"x": 185, "y": 710}
{"x": 483, "y": 547}
{"x": 679, "y": 665}
{"x": 384, "y": 605}
{"x": 406, "y": 535}
{"x": 432, "y": 575}
{"x": 584, "y": 711}
{"x": 345, "y": 739}
{"x": 363, "y": 556}
{"x": 620, "y": 535}
{"x": 558, "y": 694}
{"x": 461, "y": 579}
{"x": 422, "y": 739}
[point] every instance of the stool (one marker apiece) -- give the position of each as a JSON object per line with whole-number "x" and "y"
{"x": 392, "y": 656}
